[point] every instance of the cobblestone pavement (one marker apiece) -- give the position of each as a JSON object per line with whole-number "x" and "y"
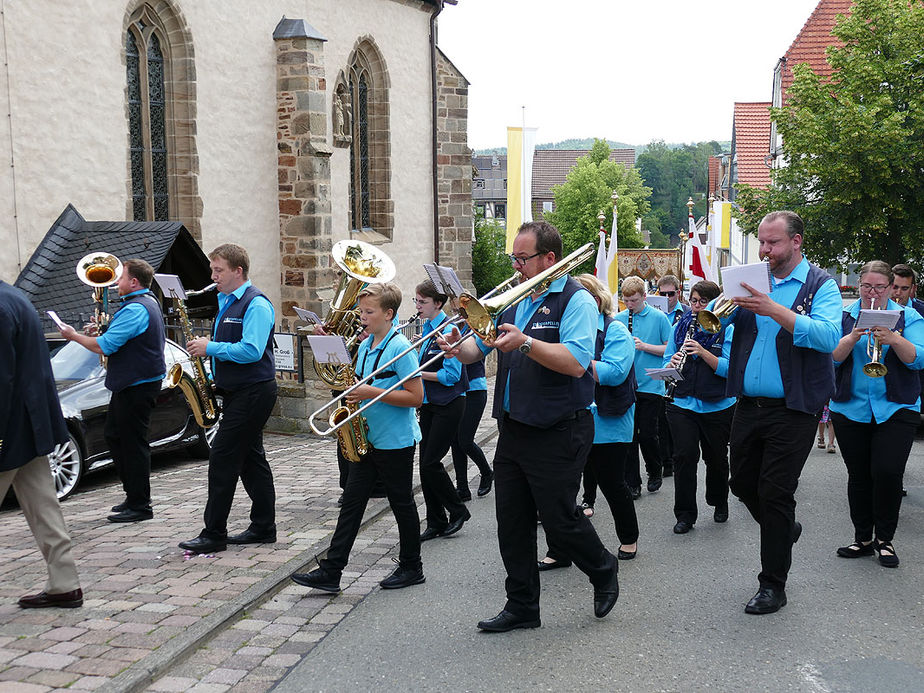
{"x": 148, "y": 606}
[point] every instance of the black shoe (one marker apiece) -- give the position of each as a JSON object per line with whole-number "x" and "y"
{"x": 682, "y": 527}
{"x": 796, "y": 532}
{"x": 42, "y": 600}
{"x": 505, "y": 621}
{"x": 654, "y": 483}
{"x": 248, "y": 536}
{"x": 120, "y": 507}
{"x": 605, "y": 597}
{"x": 431, "y": 533}
{"x": 464, "y": 494}
{"x": 204, "y": 545}
{"x": 626, "y": 555}
{"x": 766, "y": 601}
{"x": 484, "y": 488}
{"x": 403, "y": 577}
{"x": 340, "y": 501}
{"x": 130, "y": 515}
{"x": 887, "y": 556}
{"x": 855, "y": 550}
{"x": 319, "y": 579}
{"x": 546, "y": 565}
{"x": 635, "y": 492}
{"x": 455, "y": 525}
{"x": 667, "y": 471}
{"x": 720, "y": 514}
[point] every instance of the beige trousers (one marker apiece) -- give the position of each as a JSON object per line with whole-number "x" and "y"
{"x": 35, "y": 491}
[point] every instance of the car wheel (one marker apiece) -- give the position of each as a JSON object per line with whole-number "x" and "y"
{"x": 66, "y": 462}
{"x": 203, "y": 445}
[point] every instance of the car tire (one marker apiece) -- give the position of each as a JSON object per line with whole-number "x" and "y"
{"x": 203, "y": 445}
{"x": 67, "y": 467}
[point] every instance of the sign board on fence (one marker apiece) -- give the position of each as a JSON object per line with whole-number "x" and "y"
{"x": 284, "y": 351}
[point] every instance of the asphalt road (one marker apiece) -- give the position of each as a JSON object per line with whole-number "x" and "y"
{"x": 850, "y": 625}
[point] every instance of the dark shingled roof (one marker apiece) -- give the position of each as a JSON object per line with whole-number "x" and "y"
{"x": 50, "y": 279}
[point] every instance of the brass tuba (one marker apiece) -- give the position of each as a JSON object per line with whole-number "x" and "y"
{"x": 360, "y": 264}
{"x": 100, "y": 270}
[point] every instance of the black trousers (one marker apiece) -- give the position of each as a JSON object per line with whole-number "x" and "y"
{"x": 769, "y": 446}
{"x": 693, "y": 431}
{"x": 540, "y": 469}
{"x": 665, "y": 436}
{"x": 237, "y": 452}
{"x": 438, "y": 426}
{"x": 647, "y": 409}
{"x": 464, "y": 445}
{"x": 395, "y": 469}
{"x": 126, "y": 433}
{"x": 875, "y": 455}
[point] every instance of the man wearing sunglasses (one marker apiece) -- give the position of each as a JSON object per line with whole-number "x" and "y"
{"x": 669, "y": 286}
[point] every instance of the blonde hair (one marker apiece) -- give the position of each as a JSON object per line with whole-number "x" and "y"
{"x": 632, "y": 286}
{"x": 387, "y": 295}
{"x": 599, "y": 291}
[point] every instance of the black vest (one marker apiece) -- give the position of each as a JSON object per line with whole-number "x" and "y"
{"x": 228, "y": 374}
{"x": 475, "y": 370}
{"x": 142, "y": 356}
{"x": 902, "y": 384}
{"x": 437, "y": 393}
{"x": 807, "y": 374}
{"x": 539, "y": 396}
{"x": 612, "y": 400}
{"x": 699, "y": 380}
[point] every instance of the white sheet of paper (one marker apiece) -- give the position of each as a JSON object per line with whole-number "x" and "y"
{"x": 663, "y": 373}
{"x": 171, "y": 285}
{"x": 54, "y": 316}
{"x": 659, "y": 302}
{"x": 757, "y": 274}
{"x": 329, "y": 349}
{"x": 878, "y": 318}
{"x": 445, "y": 279}
{"x": 308, "y": 315}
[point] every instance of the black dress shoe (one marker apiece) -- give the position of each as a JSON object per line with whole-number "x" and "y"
{"x": 484, "y": 488}
{"x": 605, "y": 597}
{"x": 720, "y": 514}
{"x": 130, "y": 515}
{"x": 682, "y": 527}
{"x": 635, "y": 492}
{"x": 766, "y": 601}
{"x": 455, "y": 525}
{"x": 248, "y": 536}
{"x": 667, "y": 471}
{"x": 403, "y": 577}
{"x": 42, "y": 600}
{"x": 796, "y": 532}
{"x": 546, "y": 565}
{"x": 319, "y": 579}
{"x": 505, "y": 621}
{"x": 120, "y": 507}
{"x": 654, "y": 483}
{"x": 431, "y": 533}
{"x": 204, "y": 545}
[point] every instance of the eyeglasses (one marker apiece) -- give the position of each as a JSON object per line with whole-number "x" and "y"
{"x": 422, "y": 301}
{"x": 878, "y": 288}
{"x": 700, "y": 301}
{"x": 517, "y": 260}
{"x": 669, "y": 294}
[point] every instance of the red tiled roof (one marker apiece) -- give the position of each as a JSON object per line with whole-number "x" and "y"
{"x": 714, "y": 170}
{"x": 751, "y": 133}
{"x": 809, "y": 46}
{"x": 551, "y": 166}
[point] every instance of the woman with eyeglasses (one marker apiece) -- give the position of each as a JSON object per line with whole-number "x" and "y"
{"x": 876, "y": 416}
{"x": 445, "y": 383}
{"x": 700, "y": 414}
{"x": 614, "y": 413}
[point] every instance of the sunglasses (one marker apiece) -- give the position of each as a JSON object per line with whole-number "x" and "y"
{"x": 669, "y": 294}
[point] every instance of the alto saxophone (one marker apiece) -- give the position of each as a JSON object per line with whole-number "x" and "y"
{"x": 672, "y": 382}
{"x": 353, "y": 440}
{"x": 198, "y": 390}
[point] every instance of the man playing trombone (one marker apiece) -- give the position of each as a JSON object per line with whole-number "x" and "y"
{"x": 545, "y": 344}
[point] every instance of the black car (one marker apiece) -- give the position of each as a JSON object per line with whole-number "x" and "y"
{"x": 84, "y": 400}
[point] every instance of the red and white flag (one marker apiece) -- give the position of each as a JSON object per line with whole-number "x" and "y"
{"x": 699, "y": 266}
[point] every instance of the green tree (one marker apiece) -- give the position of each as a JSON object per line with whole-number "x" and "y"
{"x": 490, "y": 263}
{"x": 854, "y": 142}
{"x": 587, "y": 191}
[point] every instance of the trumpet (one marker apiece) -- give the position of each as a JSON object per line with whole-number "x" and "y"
{"x": 875, "y": 368}
{"x": 479, "y": 313}
{"x": 722, "y": 309}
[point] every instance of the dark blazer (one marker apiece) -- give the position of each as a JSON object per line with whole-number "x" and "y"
{"x": 31, "y": 423}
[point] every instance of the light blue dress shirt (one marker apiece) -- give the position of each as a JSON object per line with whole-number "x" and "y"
{"x": 652, "y": 327}
{"x": 128, "y": 322}
{"x": 692, "y": 403}
{"x": 259, "y": 320}
{"x": 617, "y": 359}
{"x": 868, "y": 395}
{"x": 450, "y": 369}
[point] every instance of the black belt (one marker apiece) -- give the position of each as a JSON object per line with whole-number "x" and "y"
{"x": 763, "y": 402}
{"x": 579, "y": 414}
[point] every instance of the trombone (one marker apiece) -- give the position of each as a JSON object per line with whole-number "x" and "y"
{"x": 479, "y": 313}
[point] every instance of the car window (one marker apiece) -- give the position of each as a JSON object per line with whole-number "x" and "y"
{"x": 73, "y": 362}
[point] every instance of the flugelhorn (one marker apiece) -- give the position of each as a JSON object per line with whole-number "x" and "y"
{"x": 875, "y": 368}
{"x": 480, "y": 315}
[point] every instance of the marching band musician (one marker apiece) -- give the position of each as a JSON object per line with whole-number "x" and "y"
{"x": 669, "y": 287}
{"x": 614, "y": 412}
{"x": 464, "y": 445}
{"x": 875, "y": 418}
{"x": 393, "y": 434}
{"x": 444, "y": 384}
{"x": 786, "y": 336}
{"x": 545, "y": 344}
{"x": 700, "y": 414}
{"x": 244, "y": 370}
{"x": 134, "y": 345}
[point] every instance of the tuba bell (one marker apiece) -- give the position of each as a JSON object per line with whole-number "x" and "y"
{"x": 100, "y": 270}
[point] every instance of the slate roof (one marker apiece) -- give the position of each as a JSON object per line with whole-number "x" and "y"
{"x": 50, "y": 279}
{"x": 810, "y": 44}
{"x": 551, "y": 166}
{"x": 751, "y": 143}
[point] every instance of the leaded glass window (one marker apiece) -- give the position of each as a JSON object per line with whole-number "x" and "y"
{"x": 360, "y": 193}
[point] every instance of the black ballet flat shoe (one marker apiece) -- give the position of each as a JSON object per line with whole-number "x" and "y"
{"x": 855, "y": 550}
{"x": 887, "y": 556}
{"x": 547, "y": 565}
{"x": 626, "y": 555}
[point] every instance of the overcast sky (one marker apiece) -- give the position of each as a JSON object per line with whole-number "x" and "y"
{"x": 628, "y": 70}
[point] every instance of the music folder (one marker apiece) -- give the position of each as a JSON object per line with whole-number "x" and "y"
{"x": 171, "y": 285}
{"x": 669, "y": 373}
{"x": 755, "y": 274}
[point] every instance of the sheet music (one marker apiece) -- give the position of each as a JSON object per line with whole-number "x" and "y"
{"x": 308, "y": 315}
{"x": 171, "y": 285}
{"x": 445, "y": 279}
{"x": 757, "y": 274}
{"x": 329, "y": 349}
{"x": 659, "y": 302}
{"x": 54, "y": 316}
{"x": 878, "y": 318}
{"x": 663, "y": 373}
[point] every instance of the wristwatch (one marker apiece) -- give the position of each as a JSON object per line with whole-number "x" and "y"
{"x": 526, "y": 346}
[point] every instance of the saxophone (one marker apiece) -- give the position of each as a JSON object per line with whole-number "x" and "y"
{"x": 198, "y": 390}
{"x": 352, "y": 439}
{"x": 672, "y": 382}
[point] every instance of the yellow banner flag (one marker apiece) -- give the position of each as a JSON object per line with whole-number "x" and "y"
{"x": 514, "y": 184}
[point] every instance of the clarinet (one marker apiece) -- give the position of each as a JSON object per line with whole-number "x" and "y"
{"x": 672, "y": 382}
{"x": 630, "y": 321}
